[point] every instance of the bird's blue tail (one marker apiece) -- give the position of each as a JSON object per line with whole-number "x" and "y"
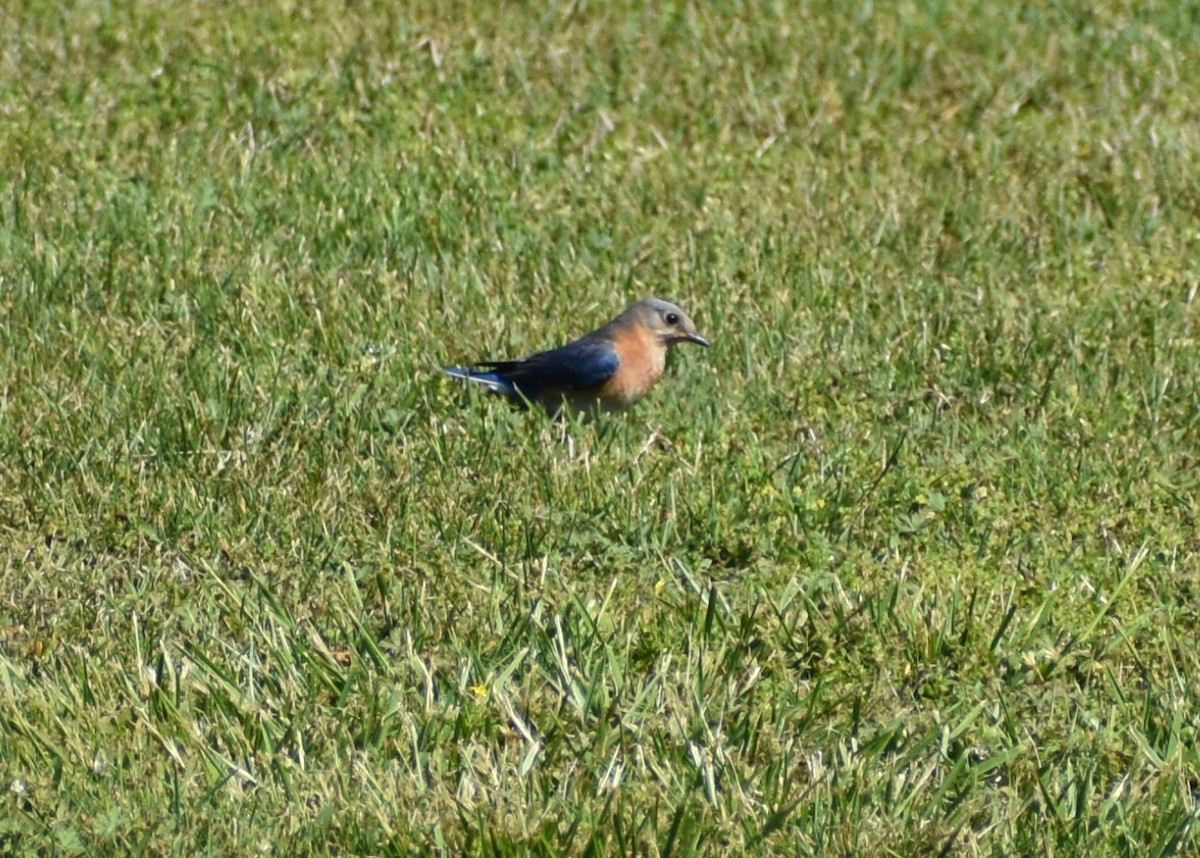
{"x": 494, "y": 382}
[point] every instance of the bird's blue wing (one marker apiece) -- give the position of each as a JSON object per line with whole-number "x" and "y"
{"x": 581, "y": 365}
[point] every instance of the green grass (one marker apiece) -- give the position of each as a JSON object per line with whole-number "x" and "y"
{"x": 907, "y": 563}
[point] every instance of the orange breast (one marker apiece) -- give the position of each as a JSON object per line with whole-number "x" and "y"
{"x": 643, "y": 359}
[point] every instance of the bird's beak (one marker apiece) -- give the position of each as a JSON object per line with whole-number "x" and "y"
{"x": 694, "y": 337}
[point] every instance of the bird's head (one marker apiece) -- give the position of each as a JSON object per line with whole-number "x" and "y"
{"x": 667, "y": 322}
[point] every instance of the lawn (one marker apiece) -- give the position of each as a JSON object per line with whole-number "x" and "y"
{"x": 907, "y": 563}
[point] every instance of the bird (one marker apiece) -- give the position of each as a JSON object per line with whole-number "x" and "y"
{"x": 607, "y": 370}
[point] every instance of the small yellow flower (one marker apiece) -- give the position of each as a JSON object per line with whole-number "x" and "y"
{"x": 480, "y": 691}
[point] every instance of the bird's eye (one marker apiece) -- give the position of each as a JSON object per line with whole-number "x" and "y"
{"x": 672, "y": 318}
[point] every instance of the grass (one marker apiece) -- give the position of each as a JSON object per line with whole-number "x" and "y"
{"x": 907, "y": 563}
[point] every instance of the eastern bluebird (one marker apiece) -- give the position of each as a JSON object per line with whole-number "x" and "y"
{"x": 609, "y": 369}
